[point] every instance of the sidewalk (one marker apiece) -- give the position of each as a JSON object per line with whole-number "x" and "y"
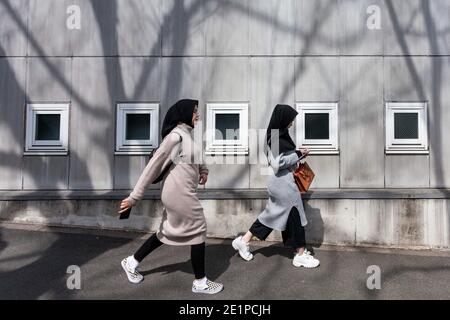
{"x": 34, "y": 262}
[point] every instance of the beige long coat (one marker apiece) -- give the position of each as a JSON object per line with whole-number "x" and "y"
{"x": 183, "y": 221}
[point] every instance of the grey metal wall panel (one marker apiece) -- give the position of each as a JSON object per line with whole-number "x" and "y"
{"x": 361, "y": 123}
{"x": 416, "y": 27}
{"x": 127, "y": 170}
{"x": 272, "y": 27}
{"x": 437, "y": 15}
{"x": 326, "y": 169}
{"x": 97, "y": 36}
{"x": 317, "y": 79}
{"x": 317, "y": 27}
{"x": 183, "y": 27}
{"x": 407, "y": 78}
{"x": 181, "y": 78}
{"x": 92, "y": 124}
{"x": 47, "y": 31}
{"x": 227, "y": 27}
{"x": 407, "y": 171}
{"x": 272, "y": 82}
{"x": 138, "y": 79}
{"x": 12, "y": 106}
{"x": 49, "y": 79}
{"x": 438, "y": 120}
{"x": 227, "y": 172}
{"x": 425, "y": 79}
{"x": 227, "y": 79}
{"x": 223, "y": 29}
{"x": 45, "y": 172}
{"x": 355, "y": 37}
{"x": 138, "y": 27}
{"x": 13, "y": 27}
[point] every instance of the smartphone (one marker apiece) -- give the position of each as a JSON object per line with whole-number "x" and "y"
{"x": 125, "y": 214}
{"x": 302, "y": 156}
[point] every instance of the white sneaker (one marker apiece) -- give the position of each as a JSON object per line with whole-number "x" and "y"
{"x": 209, "y": 288}
{"x": 133, "y": 275}
{"x": 305, "y": 260}
{"x": 243, "y": 248}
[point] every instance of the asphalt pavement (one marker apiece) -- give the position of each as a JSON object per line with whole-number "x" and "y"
{"x": 43, "y": 263}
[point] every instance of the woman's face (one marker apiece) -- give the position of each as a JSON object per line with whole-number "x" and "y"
{"x": 290, "y": 124}
{"x": 195, "y": 116}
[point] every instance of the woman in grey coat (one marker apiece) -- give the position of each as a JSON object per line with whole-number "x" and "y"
{"x": 284, "y": 210}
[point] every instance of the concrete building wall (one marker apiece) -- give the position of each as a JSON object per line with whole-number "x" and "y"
{"x": 260, "y": 52}
{"x": 391, "y": 222}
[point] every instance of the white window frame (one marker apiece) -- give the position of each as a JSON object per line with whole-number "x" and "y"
{"x": 405, "y": 146}
{"x": 225, "y": 147}
{"x": 46, "y": 147}
{"x": 138, "y": 147}
{"x": 318, "y": 146}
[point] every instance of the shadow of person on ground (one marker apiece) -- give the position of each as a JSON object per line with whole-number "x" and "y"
{"x": 315, "y": 227}
{"x": 274, "y": 249}
{"x": 217, "y": 260}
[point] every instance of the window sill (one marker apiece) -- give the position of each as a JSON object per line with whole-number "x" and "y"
{"x": 411, "y": 152}
{"x": 133, "y": 153}
{"x": 46, "y": 153}
{"x": 323, "y": 152}
{"x": 226, "y": 153}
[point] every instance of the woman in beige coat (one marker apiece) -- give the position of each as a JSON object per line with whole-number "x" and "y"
{"x": 183, "y": 221}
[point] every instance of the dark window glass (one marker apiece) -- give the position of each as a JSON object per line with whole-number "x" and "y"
{"x": 48, "y": 126}
{"x": 406, "y": 125}
{"x": 317, "y": 126}
{"x": 137, "y": 126}
{"x": 227, "y": 126}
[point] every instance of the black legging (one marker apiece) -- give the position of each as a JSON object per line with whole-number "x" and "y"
{"x": 197, "y": 254}
{"x": 293, "y": 235}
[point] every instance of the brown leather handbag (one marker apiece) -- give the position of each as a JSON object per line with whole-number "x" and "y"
{"x": 303, "y": 177}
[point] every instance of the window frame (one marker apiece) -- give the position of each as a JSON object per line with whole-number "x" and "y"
{"x": 226, "y": 147}
{"x": 136, "y": 147}
{"x": 406, "y": 146}
{"x": 47, "y": 147}
{"x": 318, "y": 146}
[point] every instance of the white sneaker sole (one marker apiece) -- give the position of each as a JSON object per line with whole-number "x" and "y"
{"x": 132, "y": 280}
{"x": 298, "y": 265}
{"x": 250, "y": 257}
{"x": 207, "y": 292}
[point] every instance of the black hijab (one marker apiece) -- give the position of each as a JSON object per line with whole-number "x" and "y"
{"x": 181, "y": 111}
{"x": 282, "y": 115}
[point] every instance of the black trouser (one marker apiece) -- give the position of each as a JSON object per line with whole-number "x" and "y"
{"x": 197, "y": 254}
{"x": 293, "y": 235}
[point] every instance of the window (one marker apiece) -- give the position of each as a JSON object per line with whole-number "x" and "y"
{"x": 406, "y": 127}
{"x": 227, "y": 128}
{"x": 317, "y": 127}
{"x": 137, "y": 128}
{"x": 47, "y": 128}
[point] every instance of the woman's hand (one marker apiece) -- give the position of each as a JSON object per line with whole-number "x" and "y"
{"x": 203, "y": 178}
{"x": 304, "y": 151}
{"x": 124, "y": 206}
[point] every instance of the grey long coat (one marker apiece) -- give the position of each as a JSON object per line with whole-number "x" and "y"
{"x": 283, "y": 192}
